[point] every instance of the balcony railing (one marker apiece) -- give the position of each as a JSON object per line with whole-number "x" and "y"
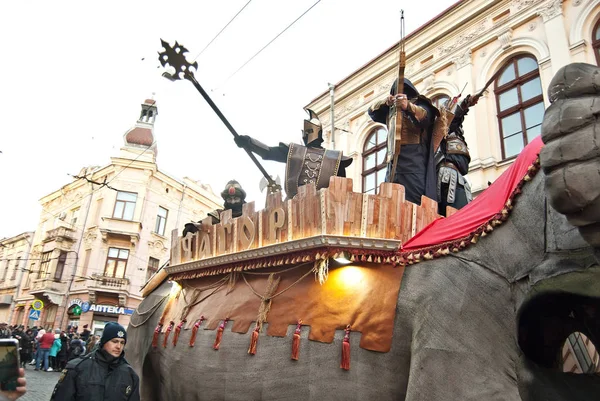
{"x": 109, "y": 282}
{"x": 60, "y": 234}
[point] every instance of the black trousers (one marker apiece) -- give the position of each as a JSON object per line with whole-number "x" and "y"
{"x": 460, "y": 198}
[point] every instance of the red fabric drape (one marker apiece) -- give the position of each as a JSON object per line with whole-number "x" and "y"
{"x": 482, "y": 209}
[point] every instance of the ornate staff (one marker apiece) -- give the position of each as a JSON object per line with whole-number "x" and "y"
{"x": 175, "y": 57}
{"x": 395, "y": 117}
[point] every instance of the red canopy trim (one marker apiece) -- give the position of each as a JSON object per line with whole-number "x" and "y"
{"x": 479, "y": 217}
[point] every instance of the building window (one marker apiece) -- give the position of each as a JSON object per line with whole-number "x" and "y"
{"x": 596, "y": 42}
{"x": 60, "y": 266}
{"x": 74, "y": 216}
{"x": 161, "y": 220}
{"x": 44, "y": 265}
{"x": 152, "y": 267}
{"x": 440, "y": 101}
{"x": 125, "y": 205}
{"x": 29, "y": 274}
{"x": 16, "y": 268}
{"x": 116, "y": 262}
{"x": 374, "y": 160}
{"x": 520, "y": 104}
{"x": 5, "y": 270}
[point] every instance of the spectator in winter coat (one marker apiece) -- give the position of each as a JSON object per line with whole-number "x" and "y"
{"x": 106, "y": 367}
{"x": 63, "y": 354}
{"x": 76, "y": 348}
{"x": 56, "y": 346}
{"x": 45, "y": 343}
{"x": 85, "y": 334}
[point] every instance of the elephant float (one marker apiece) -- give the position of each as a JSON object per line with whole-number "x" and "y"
{"x": 480, "y": 317}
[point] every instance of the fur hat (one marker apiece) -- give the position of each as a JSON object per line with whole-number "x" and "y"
{"x": 113, "y": 330}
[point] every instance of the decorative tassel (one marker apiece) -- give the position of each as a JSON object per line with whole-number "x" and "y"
{"x": 254, "y": 340}
{"x": 346, "y": 350}
{"x": 169, "y": 329}
{"x": 157, "y": 331}
{"x": 195, "y": 330}
{"x": 296, "y": 341}
{"x": 220, "y": 330}
{"x": 177, "y": 331}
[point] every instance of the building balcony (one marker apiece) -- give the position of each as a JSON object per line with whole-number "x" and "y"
{"x": 100, "y": 281}
{"x": 60, "y": 234}
{"x": 44, "y": 285}
{"x": 111, "y": 227}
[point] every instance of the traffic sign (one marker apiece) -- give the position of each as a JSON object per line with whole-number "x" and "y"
{"x": 34, "y": 314}
{"x": 38, "y": 304}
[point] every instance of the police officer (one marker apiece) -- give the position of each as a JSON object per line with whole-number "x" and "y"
{"x": 102, "y": 375}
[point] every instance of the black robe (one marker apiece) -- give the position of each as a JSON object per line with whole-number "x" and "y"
{"x": 415, "y": 169}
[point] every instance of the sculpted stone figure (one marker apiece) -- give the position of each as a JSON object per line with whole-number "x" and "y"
{"x": 485, "y": 323}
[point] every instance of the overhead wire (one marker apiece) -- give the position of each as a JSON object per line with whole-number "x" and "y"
{"x": 269, "y": 43}
{"x": 221, "y": 31}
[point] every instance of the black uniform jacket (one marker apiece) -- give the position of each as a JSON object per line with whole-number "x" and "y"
{"x": 98, "y": 376}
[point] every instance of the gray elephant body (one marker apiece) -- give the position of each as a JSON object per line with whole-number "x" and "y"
{"x": 456, "y": 331}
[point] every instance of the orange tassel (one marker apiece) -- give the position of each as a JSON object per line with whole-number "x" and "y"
{"x": 220, "y": 330}
{"x": 254, "y": 340}
{"x": 169, "y": 329}
{"x": 195, "y": 330}
{"x": 157, "y": 331}
{"x": 177, "y": 331}
{"x": 346, "y": 350}
{"x": 296, "y": 341}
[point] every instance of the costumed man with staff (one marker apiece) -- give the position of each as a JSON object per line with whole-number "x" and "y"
{"x": 411, "y": 119}
{"x": 452, "y": 161}
{"x": 306, "y": 164}
{"x": 415, "y": 168}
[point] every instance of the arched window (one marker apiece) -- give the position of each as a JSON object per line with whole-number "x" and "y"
{"x": 374, "y": 160}
{"x": 579, "y": 355}
{"x": 596, "y": 42}
{"x": 520, "y": 104}
{"x": 440, "y": 101}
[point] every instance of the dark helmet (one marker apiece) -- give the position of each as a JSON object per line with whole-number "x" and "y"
{"x": 312, "y": 134}
{"x": 233, "y": 188}
{"x": 409, "y": 89}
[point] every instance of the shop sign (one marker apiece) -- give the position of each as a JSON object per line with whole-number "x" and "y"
{"x": 118, "y": 310}
{"x": 75, "y": 301}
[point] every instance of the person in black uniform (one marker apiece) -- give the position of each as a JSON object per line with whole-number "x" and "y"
{"x": 452, "y": 161}
{"x": 102, "y": 375}
{"x": 415, "y": 169}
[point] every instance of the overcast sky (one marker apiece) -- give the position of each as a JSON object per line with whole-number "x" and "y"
{"x": 75, "y": 73}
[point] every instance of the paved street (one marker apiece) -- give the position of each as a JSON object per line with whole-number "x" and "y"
{"x": 39, "y": 384}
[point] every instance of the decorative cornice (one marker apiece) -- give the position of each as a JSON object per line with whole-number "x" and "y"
{"x": 550, "y": 10}
{"x": 463, "y": 39}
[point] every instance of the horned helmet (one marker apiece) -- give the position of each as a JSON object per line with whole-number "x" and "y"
{"x": 312, "y": 134}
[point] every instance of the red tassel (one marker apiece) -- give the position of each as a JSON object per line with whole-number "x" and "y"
{"x": 346, "y": 350}
{"x": 254, "y": 340}
{"x": 296, "y": 341}
{"x": 195, "y": 330}
{"x": 220, "y": 330}
{"x": 177, "y": 331}
{"x": 171, "y": 324}
{"x": 157, "y": 331}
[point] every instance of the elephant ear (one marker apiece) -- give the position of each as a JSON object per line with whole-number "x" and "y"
{"x": 571, "y": 157}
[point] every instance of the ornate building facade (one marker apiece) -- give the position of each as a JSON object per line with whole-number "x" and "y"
{"x": 525, "y": 41}
{"x": 101, "y": 236}
{"x": 14, "y": 253}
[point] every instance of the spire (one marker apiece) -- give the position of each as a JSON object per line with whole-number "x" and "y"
{"x": 141, "y": 135}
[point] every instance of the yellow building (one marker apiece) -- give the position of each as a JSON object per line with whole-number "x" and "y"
{"x": 529, "y": 40}
{"x": 14, "y": 253}
{"x": 101, "y": 236}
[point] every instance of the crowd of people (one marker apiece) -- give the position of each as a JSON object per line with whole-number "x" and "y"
{"x": 80, "y": 357}
{"x": 50, "y": 350}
